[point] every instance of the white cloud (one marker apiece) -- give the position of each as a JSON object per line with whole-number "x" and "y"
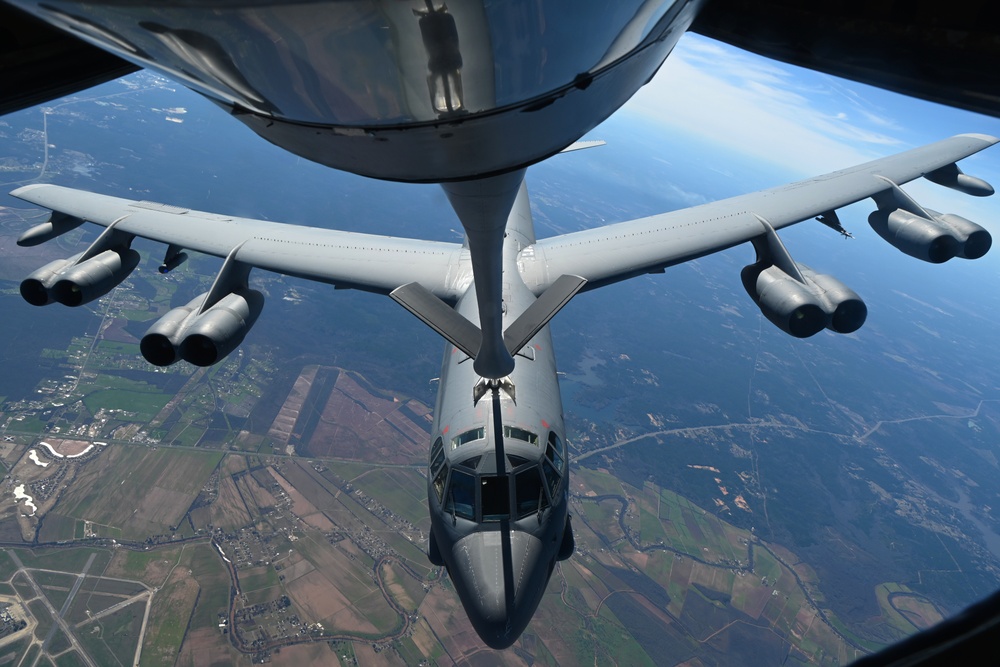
{"x": 763, "y": 109}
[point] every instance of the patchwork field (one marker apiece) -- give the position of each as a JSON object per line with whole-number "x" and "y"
{"x": 140, "y": 491}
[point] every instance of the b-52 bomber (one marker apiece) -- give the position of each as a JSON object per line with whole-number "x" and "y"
{"x": 497, "y": 478}
{"x": 468, "y": 95}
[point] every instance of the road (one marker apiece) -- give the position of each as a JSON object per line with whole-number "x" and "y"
{"x": 761, "y": 424}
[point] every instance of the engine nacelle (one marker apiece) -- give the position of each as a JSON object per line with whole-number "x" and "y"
{"x": 845, "y": 310}
{"x": 160, "y": 344}
{"x": 57, "y": 224}
{"x": 205, "y": 338}
{"x": 219, "y": 330}
{"x": 36, "y": 289}
{"x": 974, "y": 240}
{"x": 952, "y": 177}
{"x": 932, "y": 240}
{"x": 803, "y": 309}
{"x": 92, "y": 279}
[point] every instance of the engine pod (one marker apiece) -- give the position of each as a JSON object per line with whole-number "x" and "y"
{"x": 36, "y": 289}
{"x": 220, "y": 329}
{"x": 974, "y": 240}
{"x": 786, "y": 302}
{"x": 95, "y": 277}
{"x": 915, "y": 235}
{"x": 845, "y": 310}
{"x": 160, "y": 344}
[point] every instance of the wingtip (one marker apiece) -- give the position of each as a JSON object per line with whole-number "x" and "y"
{"x": 25, "y": 189}
{"x": 983, "y": 137}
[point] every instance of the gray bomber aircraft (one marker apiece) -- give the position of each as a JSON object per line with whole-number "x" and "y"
{"x": 497, "y": 480}
{"x": 468, "y": 95}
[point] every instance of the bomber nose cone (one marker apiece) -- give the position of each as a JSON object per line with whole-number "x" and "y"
{"x": 479, "y": 575}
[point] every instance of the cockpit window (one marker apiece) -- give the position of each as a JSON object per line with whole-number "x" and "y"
{"x": 496, "y": 498}
{"x": 437, "y": 455}
{"x": 516, "y": 461}
{"x": 439, "y": 482}
{"x": 554, "y": 451}
{"x": 520, "y": 434}
{"x": 462, "y": 495}
{"x": 551, "y": 477}
{"x": 468, "y": 436}
{"x": 554, "y": 440}
{"x": 528, "y": 490}
{"x": 471, "y": 463}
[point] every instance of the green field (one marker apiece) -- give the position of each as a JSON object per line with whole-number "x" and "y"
{"x": 64, "y": 560}
{"x": 23, "y": 588}
{"x": 403, "y": 491}
{"x": 258, "y": 578}
{"x": 71, "y": 659}
{"x": 58, "y": 644}
{"x": 168, "y": 620}
{"x": 135, "y": 564}
{"x": 212, "y": 576}
{"x": 56, "y": 527}
{"x": 7, "y": 566}
{"x": 111, "y": 347}
{"x": 55, "y": 585}
{"x": 603, "y": 484}
{"x": 136, "y": 406}
{"x": 31, "y": 654}
{"x": 348, "y": 470}
{"x": 9, "y": 653}
{"x": 112, "y": 639}
{"x": 44, "y": 618}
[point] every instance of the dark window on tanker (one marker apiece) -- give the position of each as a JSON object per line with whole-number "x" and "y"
{"x": 528, "y": 492}
{"x": 496, "y": 498}
{"x": 462, "y": 495}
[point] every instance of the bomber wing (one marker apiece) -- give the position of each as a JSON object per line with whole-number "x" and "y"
{"x": 619, "y": 251}
{"x": 345, "y": 259}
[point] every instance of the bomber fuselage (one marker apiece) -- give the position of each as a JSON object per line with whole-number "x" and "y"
{"x": 500, "y": 532}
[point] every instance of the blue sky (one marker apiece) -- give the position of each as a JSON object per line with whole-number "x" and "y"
{"x": 800, "y": 118}
{"x": 809, "y": 123}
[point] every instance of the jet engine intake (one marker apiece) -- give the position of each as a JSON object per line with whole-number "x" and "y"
{"x": 974, "y": 241}
{"x": 803, "y": 309}
{"x": 159, "y": 345}
{"x": 95, "y": 277}
{"x": 936, "y": 239}
{"x": 201, "y": 337}
{"x": 36, "y": 289}
{"x": 73, "y": 283}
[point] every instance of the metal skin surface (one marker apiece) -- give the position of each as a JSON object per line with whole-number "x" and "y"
{"x": 417, "y": 91}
